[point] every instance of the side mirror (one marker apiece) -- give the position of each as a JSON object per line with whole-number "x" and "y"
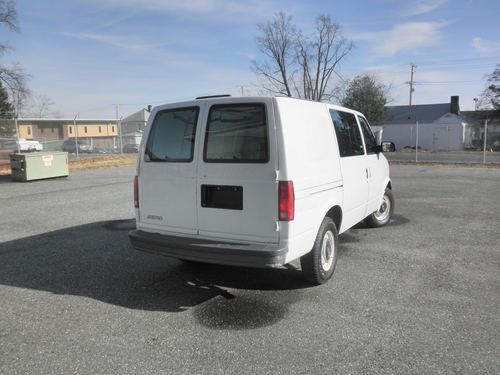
{"x": 387, "y": 146}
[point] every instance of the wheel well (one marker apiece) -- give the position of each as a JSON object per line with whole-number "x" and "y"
{"x": 335, "y": 213}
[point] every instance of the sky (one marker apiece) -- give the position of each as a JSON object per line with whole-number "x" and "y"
{"x": 88, "y": 56}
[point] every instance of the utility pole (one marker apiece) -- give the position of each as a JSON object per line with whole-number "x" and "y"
{"x": 411, "y": 83}
{"x": 242, "y": 93}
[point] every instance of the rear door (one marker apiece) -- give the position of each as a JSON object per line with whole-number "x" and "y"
{"x": 237, "y": 187}
{"x": 353, "y": 165}
{"x": 167, "y": 180}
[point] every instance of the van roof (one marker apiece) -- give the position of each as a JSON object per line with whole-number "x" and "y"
{"x": 238, "y": 99}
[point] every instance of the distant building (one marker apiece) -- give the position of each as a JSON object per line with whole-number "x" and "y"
{"x": 136, "y": 121}
{"x": 440, "y": 126}
{"x": 101, "y": 133}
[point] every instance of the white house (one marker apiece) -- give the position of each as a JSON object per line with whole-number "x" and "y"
{"x": 440, "y": 126}
{"x": 136, "y": 121}
{"x": 133, "y": 125}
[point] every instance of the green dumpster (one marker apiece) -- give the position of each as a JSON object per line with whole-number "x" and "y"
{"x": 38, "y": 165}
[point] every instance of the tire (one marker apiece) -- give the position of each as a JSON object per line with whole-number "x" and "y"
{"x": 383, "y": 215}
{"x": 319, "y": 264}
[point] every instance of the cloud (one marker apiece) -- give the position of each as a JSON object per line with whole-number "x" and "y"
{"x": 405, "y": 36}
{"x": 219, "y": 8}
{"x": 422, "y": 6}
{"x": 485, "y": 46}
{"x": 116, "y": 41}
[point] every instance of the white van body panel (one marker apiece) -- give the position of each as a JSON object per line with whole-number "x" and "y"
{"x": 309, "y": 158}
{"x": 168, "y": 190}
{"x": 303, "y": 148}
{"x": 257, "y": 221}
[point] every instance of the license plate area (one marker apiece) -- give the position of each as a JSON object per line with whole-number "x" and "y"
{"x": 222, "y": 196}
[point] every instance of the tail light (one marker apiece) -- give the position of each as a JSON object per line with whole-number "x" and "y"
{"x": 136, "y": 192}
{"x": 286, "y": 201}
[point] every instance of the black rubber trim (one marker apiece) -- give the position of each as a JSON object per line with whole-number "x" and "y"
{"x": 209, "y": 251}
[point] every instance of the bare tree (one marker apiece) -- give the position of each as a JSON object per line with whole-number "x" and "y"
{"x": 39, "y": 106}
{"x": 318, "y": 56}
{"x": 490, "y": 97}
{"x": 297, "y": 64}
{"x": 277, "y": 42}
{"x": 12, "y": 77}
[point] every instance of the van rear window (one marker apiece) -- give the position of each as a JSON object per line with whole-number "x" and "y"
{"x": 172, "y": 135}
{"x": 236, "y": 133}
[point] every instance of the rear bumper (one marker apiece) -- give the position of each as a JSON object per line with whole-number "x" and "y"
{"x": 209, "y": 251}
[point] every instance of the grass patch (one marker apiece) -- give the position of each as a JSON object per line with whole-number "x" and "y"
{"x": 114, "y": 161}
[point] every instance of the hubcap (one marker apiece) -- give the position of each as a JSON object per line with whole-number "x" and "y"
{"x": 384, "y": 210}
{"x": 327, "y": 251}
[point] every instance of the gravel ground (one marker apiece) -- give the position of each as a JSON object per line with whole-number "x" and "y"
{"x": 418, "y": 296}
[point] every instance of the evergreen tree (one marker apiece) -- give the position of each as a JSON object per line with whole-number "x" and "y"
{"x": 6, "y": 114}
{"x": 369, "y": 96}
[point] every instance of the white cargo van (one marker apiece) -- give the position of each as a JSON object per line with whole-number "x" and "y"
{"x": 257, "y": 181}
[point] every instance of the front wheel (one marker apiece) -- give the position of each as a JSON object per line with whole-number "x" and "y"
{"x": 383, "y": 215}
{"x": 318, "y": 265}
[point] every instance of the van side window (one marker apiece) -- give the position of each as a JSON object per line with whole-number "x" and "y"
{"x": 236, "y": 133}
{"x": 172, "y": 134}
{"x": 370, "y": 142}
{"x": 348, "y": 134}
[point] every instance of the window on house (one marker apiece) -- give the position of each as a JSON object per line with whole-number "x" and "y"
{"x": 348, "y": 134}
{"x": 41, "y": 130}
{"x": 29, "y": 131}
{"x": 70, "y": 130}
{"x": 52, "y": 130}
{"x": 113, "y": 129}
{"x": 99, "y": 129}
{"x": 85, "y": 129}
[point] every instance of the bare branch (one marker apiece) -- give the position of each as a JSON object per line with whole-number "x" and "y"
{"x": 277, "y": 42}
{"x": 8, "y": 14}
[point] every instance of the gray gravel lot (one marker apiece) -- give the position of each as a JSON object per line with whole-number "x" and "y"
{"x": 418, "y": 296}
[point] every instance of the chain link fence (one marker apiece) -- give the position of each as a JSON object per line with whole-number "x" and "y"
{"x": 471, "y": 141}
{"x": 79, "y": 137}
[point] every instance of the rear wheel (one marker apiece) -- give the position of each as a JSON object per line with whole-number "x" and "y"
{"x": 383, "y": 215}
{"x": 319, "y": 264}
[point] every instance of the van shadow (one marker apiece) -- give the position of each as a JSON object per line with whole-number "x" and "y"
{"x": 97, "y": 261}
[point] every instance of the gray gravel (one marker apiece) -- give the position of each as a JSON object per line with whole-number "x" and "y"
{"x": 418, "y": 296}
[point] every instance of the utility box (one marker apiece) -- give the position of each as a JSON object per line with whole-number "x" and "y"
{"x": 38, "y": 165}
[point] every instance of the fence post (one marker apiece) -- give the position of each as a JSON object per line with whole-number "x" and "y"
{"x": 76, "y": 137}
{"x": 484, "y": 144}
{"x": 416, "y": 144}
{"x": 17, "y": 134}
{"x": 121, "y": 138}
